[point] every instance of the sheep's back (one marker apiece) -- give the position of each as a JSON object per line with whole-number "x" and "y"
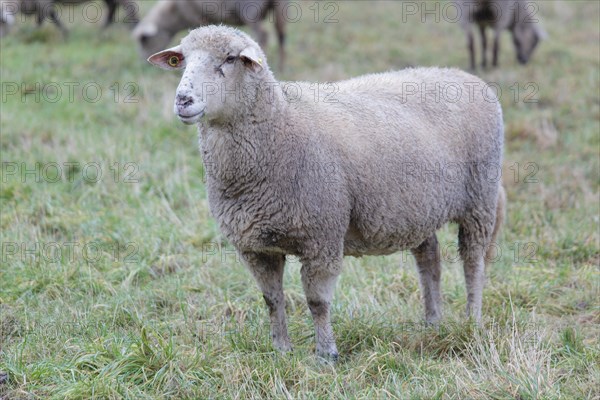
{"x": 407, "y": 161}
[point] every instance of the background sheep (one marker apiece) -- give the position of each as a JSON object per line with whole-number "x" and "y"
{"x": 47, "y": 9}
{"x": 7, "y": 18}
{"x": 168, "y": 17}
{"x": 260, "y": 148}
{"x": 518, "y": 16}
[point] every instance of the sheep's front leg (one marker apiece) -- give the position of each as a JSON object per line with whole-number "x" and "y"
{"x": 112, "y": 8}
{"x": 428, "y": 260}
{"x": 318, "y": 279}
{"x": 268, "y": 272}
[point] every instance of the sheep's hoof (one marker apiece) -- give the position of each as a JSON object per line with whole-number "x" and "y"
{"x": 433, "y": 320}
{"x": 283, "y": 347}
{"x": 328, "y": 357}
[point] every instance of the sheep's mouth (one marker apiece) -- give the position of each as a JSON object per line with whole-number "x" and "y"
{"x": 190, "y": 119}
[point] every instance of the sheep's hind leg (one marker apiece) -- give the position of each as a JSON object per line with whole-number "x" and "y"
{"x": 473, "y": 242}
{"x": 428, "y": 260}
{"x": 471, "y": 48}
{"x": 500, "y": 210}
{"x": 268, "y": 272}
{"x": 484, "y": 47}
{"x": 319, "y": 278}
{"x": 496, "y": 49}
{"x": 280, "y": 28}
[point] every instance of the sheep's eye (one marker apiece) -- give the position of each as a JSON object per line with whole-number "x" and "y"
{"x": 173, "y": 61}
{"x": 230, "y": 59}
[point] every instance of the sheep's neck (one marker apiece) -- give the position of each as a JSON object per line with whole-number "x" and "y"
{"x": 241, "y": 153}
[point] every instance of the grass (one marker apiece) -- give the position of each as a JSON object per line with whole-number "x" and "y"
{"x": 120, "y": 285}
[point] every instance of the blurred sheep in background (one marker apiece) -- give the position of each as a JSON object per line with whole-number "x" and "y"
{"x": 48, "y": 9}
{"x": 168, "y": 17}
{"x": 518, "y": 16}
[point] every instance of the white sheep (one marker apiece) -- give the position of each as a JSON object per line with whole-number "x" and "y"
{"x": 367, "y": 166}
{"x": 518, "y": 16}
{"x": 168, "y": 17}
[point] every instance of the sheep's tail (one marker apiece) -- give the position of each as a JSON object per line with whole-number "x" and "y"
{"x": 500, "y": 214}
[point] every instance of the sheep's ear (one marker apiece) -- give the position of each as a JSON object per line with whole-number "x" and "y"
{"x": 252, "y": 59}
{"x": 168, "y": 59}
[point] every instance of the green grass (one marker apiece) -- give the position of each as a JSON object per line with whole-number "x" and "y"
{"x": 132, "y": 293}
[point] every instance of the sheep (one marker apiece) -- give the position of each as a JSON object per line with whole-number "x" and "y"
{"x": 7, "y": 16}
{"x": 168, "y": 17}
{"x": 47, "y": 8}
{"x": 518, "y": 16}
{"x": 369, "y": 167}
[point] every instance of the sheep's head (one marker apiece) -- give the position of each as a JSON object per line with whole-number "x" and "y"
{"x": 223, "y": 70}
{"x": 156, "y": 30}
{"x": 150, "y": 38}
{"x": 526, "y": 37}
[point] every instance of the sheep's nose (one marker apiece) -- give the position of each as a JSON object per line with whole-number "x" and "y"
{"x": 184, "y": 101}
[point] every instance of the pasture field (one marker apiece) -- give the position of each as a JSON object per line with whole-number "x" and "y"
{"x": 116, "y": 283}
